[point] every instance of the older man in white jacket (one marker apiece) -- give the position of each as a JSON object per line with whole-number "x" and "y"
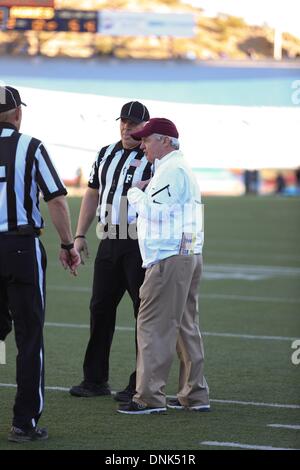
{"x": 170, "y": 232}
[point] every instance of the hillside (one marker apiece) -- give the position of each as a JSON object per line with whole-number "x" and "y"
{"x": 222, "y": 37}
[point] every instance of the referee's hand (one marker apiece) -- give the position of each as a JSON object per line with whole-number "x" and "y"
{"x": 81, "y": 246}
{"x": 70, "y": 259}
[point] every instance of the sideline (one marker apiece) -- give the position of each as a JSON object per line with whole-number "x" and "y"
{"x": 205, "y": 333}
{"x": 80, "y": 289}
{"x": 225, "y": 402}
{"x": 284, "y": 426}
{"x": 242, "y": 446}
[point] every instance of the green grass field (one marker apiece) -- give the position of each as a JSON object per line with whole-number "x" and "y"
{"x": 249, "y": 313}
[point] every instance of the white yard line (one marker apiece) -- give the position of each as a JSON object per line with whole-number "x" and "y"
{"x": 69, "y": 288}
{"x": 247, "y": 272}
{"x": 247, "y": 298}
{"x": 223, "y": 266}
{"x": 242, "y": 446}
{"x": 284, "y": 426}
{"x": 284, "y": 270}
{"x": 205, "y": 333}
{"x": 78, "y": 325}
{"x": 250, "y": 298}
{"x": 253, "y": 403}
{"x": 66, "y": 325}
{"x": 225, "y": 402}
{"x": 244, "y": 254}
{"x": 55, "y": 389}
{"x": 263, "y": 337}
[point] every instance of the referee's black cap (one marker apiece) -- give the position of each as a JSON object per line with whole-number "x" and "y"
{"x": 9, "y": 98}
{"x": 135, "y": 111}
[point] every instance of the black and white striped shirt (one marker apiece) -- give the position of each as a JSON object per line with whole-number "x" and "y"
{"x": 115, "y": 170}
{"x": 25, "y": 170}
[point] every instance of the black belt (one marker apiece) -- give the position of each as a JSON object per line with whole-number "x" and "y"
{"x": 24, "y": 230}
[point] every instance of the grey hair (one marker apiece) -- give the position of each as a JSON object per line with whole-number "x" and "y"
{"x": 173, "y": 141}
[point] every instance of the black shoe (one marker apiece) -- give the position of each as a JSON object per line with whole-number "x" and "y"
{"x": 175, "y": 404}
{"x": 134, "y": 408}
{"x": 35, "y": 434}
{"x": 87, "y": 390}
{"x": 125, "y": 395}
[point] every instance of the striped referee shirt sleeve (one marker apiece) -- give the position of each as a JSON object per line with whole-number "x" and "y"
{"x": 47, "y": 177}
{"x": 94, "y": 178}
{"x": 94, "y": 182}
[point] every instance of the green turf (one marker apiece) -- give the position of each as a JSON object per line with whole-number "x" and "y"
{"x": 247, "y": 231}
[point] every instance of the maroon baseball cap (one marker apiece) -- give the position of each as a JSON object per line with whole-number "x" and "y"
{"x": 157, "y": 126}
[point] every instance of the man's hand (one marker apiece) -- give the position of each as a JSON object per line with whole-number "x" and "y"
{"x": 81, "y": 246}
{"x": 70, "y": 259}
{"x": 141, "y": 184}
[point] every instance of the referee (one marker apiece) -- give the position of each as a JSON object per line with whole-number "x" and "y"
{"x": 118, "y": 264}
{"x": 25, "y": 170}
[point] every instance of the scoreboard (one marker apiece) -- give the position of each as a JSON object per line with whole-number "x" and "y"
{"x": 45, "y": 18}
{"x": 27, "y": 3}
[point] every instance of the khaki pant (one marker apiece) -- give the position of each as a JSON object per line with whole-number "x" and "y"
{"x": 168, "y": 321}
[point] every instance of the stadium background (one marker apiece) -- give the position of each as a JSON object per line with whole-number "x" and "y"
{"x": 245, "y": 115}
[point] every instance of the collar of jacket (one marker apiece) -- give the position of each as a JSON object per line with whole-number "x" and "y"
{"x": 166, "y": 158}
{"x": 7, "y": 125}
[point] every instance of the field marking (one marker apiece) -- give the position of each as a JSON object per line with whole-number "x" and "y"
{"x": 243, "y": 254}
{"x": 84, "y": 326}
{"x": 284, "y": 426}
{"x": 249, "y": 298}
{"x": 235, "y": 335}
{"x": 66, "y": 325}
{"x": 244, "y": 272}
{"x": 70, "y": 288}
{"x": 253, "y": 269}
{"x": 225, "y": 402}
{"x": 243, "y": 241}
{"x": 251, "y": 403}
{"x": 242, "y": 446}
{"x": 247, "y": 272}
{"x": 236, "y": 268}
{"x": 205, "y": 333}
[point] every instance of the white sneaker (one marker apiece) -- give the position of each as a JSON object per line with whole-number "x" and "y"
{"x": 175, "y": 404}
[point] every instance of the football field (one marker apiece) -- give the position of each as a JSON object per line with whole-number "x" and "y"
{"x": 249, "y": 317}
